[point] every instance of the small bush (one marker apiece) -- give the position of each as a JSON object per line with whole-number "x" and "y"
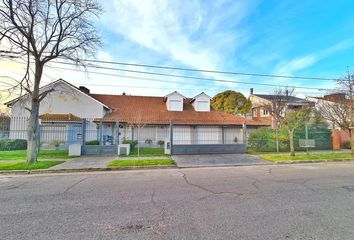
{"x": 346, "y": 144}
{"x": 13, "y": 144}
{"x": 264, "y": 140}
{"x": 161, "y": 143}
{"x": 93, "y": 142}
{"x": 148, "y": 141}
{"x": 132, "y": 143}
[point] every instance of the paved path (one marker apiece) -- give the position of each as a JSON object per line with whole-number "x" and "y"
{"x": 143, "y": 158}
{"x": 292, "y": 202}
{"x": 216, "y": 160}
{"x": 85, "y": 162}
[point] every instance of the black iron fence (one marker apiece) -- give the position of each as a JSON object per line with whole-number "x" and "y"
{"x": 60, "y": 134}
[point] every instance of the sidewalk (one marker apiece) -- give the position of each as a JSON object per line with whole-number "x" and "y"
{"x": 85, "y": 162}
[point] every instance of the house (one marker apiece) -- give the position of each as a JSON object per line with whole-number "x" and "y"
{"x": 81, "y": 116}
{"x": 263, "y": 104}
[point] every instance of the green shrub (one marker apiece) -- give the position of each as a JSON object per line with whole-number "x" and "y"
{"x": 93, "y": 142}
{"x": 264, "y": 140}
{"x": 132, "y": 143}
{"x": 148, "y": 141}
{"x": 161, "y": 143}
{"x": 13, "y": 144}
{"x": 346, "y": 144}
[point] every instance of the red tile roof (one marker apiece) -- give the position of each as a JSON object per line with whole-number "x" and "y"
{"x": 153, "y": 110}
{"x": 48, "y": 117}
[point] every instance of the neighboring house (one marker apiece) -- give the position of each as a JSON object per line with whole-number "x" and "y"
{"x": 112, "y": 119}
{"x": 262, "y": 105}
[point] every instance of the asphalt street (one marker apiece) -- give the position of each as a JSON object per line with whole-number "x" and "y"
{"x": 300, "y": 201}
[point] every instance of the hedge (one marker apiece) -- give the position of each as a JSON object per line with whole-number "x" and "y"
{"x": 132, "y": 143}
{"x": 93, "y": 142}
{"x": 13, "y": 144}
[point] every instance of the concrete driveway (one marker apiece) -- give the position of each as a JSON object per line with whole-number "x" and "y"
{"x": 216, "y": 160}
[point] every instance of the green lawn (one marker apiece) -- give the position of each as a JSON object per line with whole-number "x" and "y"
{"x": 330, "y": 156}
{"x": 146, "y": 152}
{"x": 26, "y": 166}
{"x": 44, "y": 154}
{"x": 137, "y": 163}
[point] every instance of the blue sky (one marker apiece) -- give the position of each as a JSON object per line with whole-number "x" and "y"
{"x": 309, "y": 38}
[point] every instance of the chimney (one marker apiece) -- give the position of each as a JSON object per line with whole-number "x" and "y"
{"x": 84, "y": 89}
{"x": 251, "y": 90}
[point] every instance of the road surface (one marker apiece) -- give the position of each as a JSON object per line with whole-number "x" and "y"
{"x": 302, "y": 201}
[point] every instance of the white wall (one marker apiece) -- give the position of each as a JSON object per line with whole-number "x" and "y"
{"x": 202, "y": 103}
{"x": 174, "y": 102}
{"x": 63, "y": 100}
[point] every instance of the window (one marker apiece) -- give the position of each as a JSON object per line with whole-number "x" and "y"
{"x": 254, "y": 112}
{"x": 265, "y": 112}
{"x": 203, "y": 106}
{"x": 175, "y": 105}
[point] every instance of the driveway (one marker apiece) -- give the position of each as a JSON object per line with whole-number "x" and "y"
{"x": 94, "y": 161}
{"x": 216, "y": 160}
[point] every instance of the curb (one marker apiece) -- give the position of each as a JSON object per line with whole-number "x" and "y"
{"x": 45, "y": 171}
{"x": 314, "y": 161}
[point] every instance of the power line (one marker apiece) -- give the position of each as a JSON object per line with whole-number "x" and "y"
{"x": 140, "y": 78}
{"x": 211, "y": 71}
{"x": 178, "y": 76}
{"x": 197, "y": 78}
{"x": 203, "y": 70}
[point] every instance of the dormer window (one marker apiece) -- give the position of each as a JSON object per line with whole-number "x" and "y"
{"x": 174, "y": 101}
{"x": 201, "y": 102}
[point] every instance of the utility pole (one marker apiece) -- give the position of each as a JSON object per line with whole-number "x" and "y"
{"x": 350, "y": 85}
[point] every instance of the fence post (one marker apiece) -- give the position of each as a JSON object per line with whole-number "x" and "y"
{"x": 132, "y": 133}
{"x": 117, "y": 141}
{"x": 83, "y": 131}
{"x": 101, "y": 132}
{"x": 171, "y": 137}
{"x": 244, "y": 133}
{"x": 222, "y": 135}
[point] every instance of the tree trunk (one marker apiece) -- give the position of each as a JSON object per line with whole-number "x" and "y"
{"x": 33, "y": 133}
{"x": 351, "y": 141}
{"x": 291, "y": 143}
{"x": 33, "y": 123}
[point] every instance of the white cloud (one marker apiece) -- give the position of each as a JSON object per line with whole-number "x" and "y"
{"x": 190, "y": 32}
{"x": 293, "y": 65}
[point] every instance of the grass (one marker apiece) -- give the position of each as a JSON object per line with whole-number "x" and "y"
{"x": 26, "y": 166}
{"x": 146, "y": 152}
{"x": 44, "y": 154}
{"x": 330, "y": 156}
{"x": 285, "y": 152}
{"x": 138, "y": 163}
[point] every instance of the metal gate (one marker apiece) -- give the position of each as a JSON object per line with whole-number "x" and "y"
{"x": 207, "y": 140}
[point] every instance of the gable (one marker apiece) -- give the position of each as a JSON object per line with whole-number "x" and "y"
{"x": 174, "y": 101}
{"x": 63, "y": 100}
{"x": 201, "y": 102}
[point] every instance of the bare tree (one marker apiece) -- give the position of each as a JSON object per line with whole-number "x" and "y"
{"x": 277, "y": 108}
{"x": 338, "y": 108}
{"x": 138, "y": 124}
{"x": 39, "y": 31}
